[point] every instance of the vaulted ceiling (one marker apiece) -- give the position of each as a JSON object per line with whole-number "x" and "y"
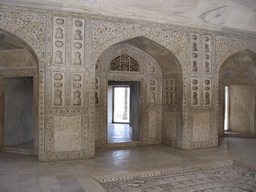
{"x": 218, "y": 14}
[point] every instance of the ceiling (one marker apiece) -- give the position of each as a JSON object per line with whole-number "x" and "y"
{"x": 216, "y": 14}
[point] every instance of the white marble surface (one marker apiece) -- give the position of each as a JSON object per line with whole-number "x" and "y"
{"x": 238, "y": 14}
{"x": 23, "y": 173}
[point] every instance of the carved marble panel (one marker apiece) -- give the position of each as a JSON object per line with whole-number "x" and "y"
{"x": 169, "y": 125}
{"x": 170, "y": 91}
{"x": 195, "y": 62}
{"x": 59, "y": 41}
{"x": 207, "y": 92}
{"x": 78, "y": 42}
{"x": 201, "y": 127}
{"x": 152, "y": 91}
{"x": 67, "y": 133}
{"x": 152, "y": 125}
{"x": 58, "y": 94}
{"x": 77, "y": 84}
{"x": 195, "y": 93}
{"x": 124, "y": 63}
{"x": 207, "y": 61}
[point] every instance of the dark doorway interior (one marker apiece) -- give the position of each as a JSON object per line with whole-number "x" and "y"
{"x": 18, "y": 112}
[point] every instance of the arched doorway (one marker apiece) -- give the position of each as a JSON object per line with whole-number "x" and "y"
{"x": 19, "y": 95}
{"x": 159, "y": 87}
{"x": 237, "y": 77}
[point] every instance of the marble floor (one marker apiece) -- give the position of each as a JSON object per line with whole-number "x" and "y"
{"x": 23, "y": 173}
{"x": 119, "y": 132}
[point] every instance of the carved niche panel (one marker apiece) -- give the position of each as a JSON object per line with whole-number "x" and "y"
{"x": 195, "y": 53}
{"x": 207, "y": 92}
{"x": 195, "y": 92}
{"x": 207, "y": 53}
{"x": 152, "y": 91}
{"x": 170, "y": 91}
{"x": 67, "y": 133}
{"x": 58, "y": 89}
{"x": 77, "y": 89}
{"x": 59, "y": 44}
{"x": 78, "y": 42}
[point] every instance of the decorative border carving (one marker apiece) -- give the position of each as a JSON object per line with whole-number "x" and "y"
{"x": 51, "y": 155}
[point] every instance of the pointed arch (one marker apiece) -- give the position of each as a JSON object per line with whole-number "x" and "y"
{"x": 172, "y": 41}
{"x": 237, "y": 80}
{"x": 221, "y": 60}
{"x": 168, "y": 72}
{"x": 31, "y": 29}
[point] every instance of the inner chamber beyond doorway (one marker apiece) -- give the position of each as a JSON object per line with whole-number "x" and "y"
{"x": 237, "y": 95}
{"x": 19, "y": 98}
{"x": 18, "y": 112}
{"x": 123, "y": 111}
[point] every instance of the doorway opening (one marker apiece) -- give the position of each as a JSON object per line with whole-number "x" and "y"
{"x": 239, "y": 110}
{"x": 226, "y": 117}
{"x": 123, "y": 111}
{"x": 18, "y": 113}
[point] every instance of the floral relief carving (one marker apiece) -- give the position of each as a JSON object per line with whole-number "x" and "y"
{"x": 105, "y": 34}
{"x": 226, "y": 47}
{"x": 29, "y": 27}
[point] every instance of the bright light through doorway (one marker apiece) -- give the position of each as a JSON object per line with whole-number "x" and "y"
{"x": 121, "y": 113}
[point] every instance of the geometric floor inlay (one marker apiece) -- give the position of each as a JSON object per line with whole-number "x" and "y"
{"x": 229, "y": 176}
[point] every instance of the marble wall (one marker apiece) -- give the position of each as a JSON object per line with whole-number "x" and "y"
{"x": 242, "y": 106}
{"x": 179, "y": 69}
